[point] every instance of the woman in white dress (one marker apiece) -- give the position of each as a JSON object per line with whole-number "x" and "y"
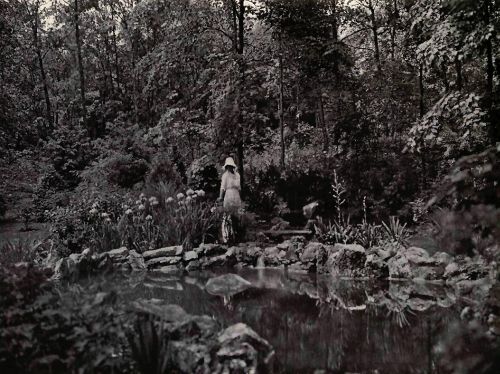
{"x": 230, "y": 193}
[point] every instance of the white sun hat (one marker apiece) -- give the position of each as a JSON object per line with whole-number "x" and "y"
{"x": 229, "y": 162}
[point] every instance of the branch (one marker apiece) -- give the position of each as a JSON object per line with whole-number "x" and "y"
{"x": 354, "y": 33}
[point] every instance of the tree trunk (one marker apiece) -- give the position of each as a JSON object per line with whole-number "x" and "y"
{"x": 375, "y": 34}
{"x": 38, "y": 48}
{"x": 421, "y": 89}
{"x": 444, "y": 72}
{"x": 80, "y": 65}
{"x": 458, "y": 69}
{"x": 326, "y": 141}
{"x": 240, "y": 47}
{"x": 494, "y": 126}
{"x": 281, "y": 109}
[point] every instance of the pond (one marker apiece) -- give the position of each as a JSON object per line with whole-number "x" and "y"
{"x": 318, "y": 324}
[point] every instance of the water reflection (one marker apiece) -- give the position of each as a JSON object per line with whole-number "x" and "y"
{"x": 320, "y": 323}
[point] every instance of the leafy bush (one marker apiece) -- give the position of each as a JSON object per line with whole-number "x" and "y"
{"x": 468, "y": 220}
{"x": 79, "y": 225}
{"x": 469, "y": 232}
{"x": 46, "y": 330}
{"x": 125, "y": 170}
{"x": 162, "y": 170}
{"x": 203, "y": 175}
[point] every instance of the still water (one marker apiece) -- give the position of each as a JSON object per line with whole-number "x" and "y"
{"x": 319, "y": 324}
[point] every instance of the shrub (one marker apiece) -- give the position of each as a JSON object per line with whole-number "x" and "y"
{"x": 46, "y": 330}
{"x": 163, "y": 171}
{"x": 87, "y": 223}
{"x": 203, "y": 175}
{"x": 125, "y": 170}
{"x": 467, "y": 231}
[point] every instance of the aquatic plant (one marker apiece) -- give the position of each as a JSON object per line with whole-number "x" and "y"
{"x": 150, "y": 346}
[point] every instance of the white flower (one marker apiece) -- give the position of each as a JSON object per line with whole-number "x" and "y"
{"x": 188, "y": 199}
{"x": 180, "y": 196}
{"x": 104, "y": 215}
{"x": 93, "y": 211}
{"x": 142, "y": 207}
{"x": 153, "y": 201}
{"x": 200, "y": 193}
{"x": 128, "y": 211}
{"x": 213, "y": 209}
{"x": 169, "y": 200}
{"x": 107, "y": 220}
{"x": 190, "y": 192}
{"x": 138, "y": 202}
{"x": 149, "y": 217}
{"x": 142, "y": 196}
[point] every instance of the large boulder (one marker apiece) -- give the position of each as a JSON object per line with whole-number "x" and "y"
{"x": 415, "y": 263}
{"x": 227, "y": 285}
{"x": 347, "y": 260}
{"x": 240, "y": 349}
{"x": 274, "y": 256}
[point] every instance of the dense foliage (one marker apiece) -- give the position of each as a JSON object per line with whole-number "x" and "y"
{"x": 112, "y": 96}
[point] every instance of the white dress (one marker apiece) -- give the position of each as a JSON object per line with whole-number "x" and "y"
{"x": 232, "y": 187}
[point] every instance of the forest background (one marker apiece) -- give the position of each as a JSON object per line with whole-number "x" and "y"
{"x": 396, "y": 101}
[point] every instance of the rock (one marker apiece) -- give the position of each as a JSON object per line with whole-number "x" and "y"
{"x": 136, "y": 261}
{"x": 190, "y": 256}
{"x": 309, "y": 209}
{"x": 347, "y": 260}
{"x": 226, "y": 259}
{"x": 240, "y": 348}
{"x": 376, "y": 267}
{"x": 189, "y": 357}
{"x": 65, "y": 269}
{"x": 273, "y": 256}
{"x": 279, "y": 224}
{"x": 311, "y": 251}
{"x": 442, "y": 258}
{"x": 418, "y": 256}
{"x": 118, "y": 253}
{"x": 167, "y": 312}
{"x": 163, "y": 252}
{"x": 211, "y": 249}
{"x": 169, "y": 269}
{"x": 248, "y": 254}
{"x": 227, "y": 285}
{"x": 162, "y": 261}
{"x": 298, "y": 267}
{"x": 465, "y": 269}
{"x": 193, "y": 265}
{"x": 102, "y": 262}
